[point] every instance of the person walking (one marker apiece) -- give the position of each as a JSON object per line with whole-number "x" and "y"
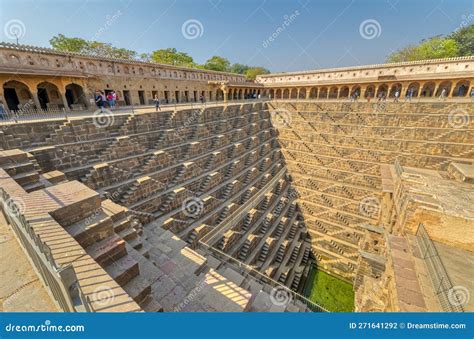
{"x": 100, "y": 100}
{"x": 397, "y": 95}
{"x": 443, "y": 94}
{"x": 157, "y": 103}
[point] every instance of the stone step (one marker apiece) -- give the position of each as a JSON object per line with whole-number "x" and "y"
{"x": 123, "y": 270}
{"x": 108, "y": 250}
{"x": 151, "y": 305}
{"x": 33, "y": 186}
{"x": 128, "y": 234}
{"x": 91, "y": 229}
{"x": 26, "y": 178}
{"x": 16, "y": 168}
{"x": 138, "y": 289}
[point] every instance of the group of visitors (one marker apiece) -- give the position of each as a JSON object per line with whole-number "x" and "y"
{"x": 103, "y": 100}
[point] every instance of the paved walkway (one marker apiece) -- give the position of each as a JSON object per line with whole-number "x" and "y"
{"x": 21, "y": 290}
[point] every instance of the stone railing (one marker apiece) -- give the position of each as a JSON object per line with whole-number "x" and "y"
{"x": 61, "y": 282}
{"x": 439, "y": 277}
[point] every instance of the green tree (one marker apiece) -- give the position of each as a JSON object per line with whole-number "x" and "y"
{"x": 433, "y": 48}
{"x": 465, "y": 40}
{"x": 217, "y": 63}
{"x": 62, "y": 43}
{"x": 252, "y": 72}
{"x": 145, "y": 57}
{"x": 95, "y": 48}
{"x": 170, "y": 56}
{"x": 239, "y": 68}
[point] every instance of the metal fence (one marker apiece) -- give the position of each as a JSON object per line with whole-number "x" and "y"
{"x": 28, "y": 113}
{"x": 248, "y": 271}
{"x": 60, "y": 282}
{"x": 439, "y": 276}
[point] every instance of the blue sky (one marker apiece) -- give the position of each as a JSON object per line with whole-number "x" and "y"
{"x": 318, "y": 34}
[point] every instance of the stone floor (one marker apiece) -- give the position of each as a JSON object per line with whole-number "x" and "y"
{"x": 21, "y": 290}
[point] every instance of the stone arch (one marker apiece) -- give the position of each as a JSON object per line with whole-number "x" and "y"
{"x": 323, "y": 93}
{"x": 278, "y": 94}
{"x": 428, "y": 89}
{"x": 313, "y": 93}
{"x": 302, "y": 93}
{"x": 294, "y": 93}
{"x": 16, "y": 95}
{"x": 444, "y": 85}
{"x": 369, "y": 91}
{"x": 461, "y": 89}
{"x": 333, "y": 92}
{"x": 272, "y": 93}
{"x": 286, "y": 93}
{"x": 48, "y": 95}
{"x": 344, "y": 92}
{"x": 240, "y": 94}
{"x": 415, "y": 86}
{"x": 394, "y": 88}
{"x": 382, "y": 90}
{"x": 356, "y": 90}
{"x": 75, "y": 96}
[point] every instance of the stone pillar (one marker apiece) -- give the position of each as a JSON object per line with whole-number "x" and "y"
{"x": 436, "y": 89}
{"x": 308, "y": 93}
{"x": 36, "y": 99}
{"x": 451, "y": 91}
{"x": 63, "y": 98}
{"x": 297, "y": 94}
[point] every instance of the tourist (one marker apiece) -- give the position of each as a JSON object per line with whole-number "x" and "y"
{"x": 110, "y": 100}
{"x": 397, "y": 95}
{"x": 381, "y": 97}
{"x": 100, "y": 100}
{"x": 472, "y": 93}
{"x": 443, "y": 94}
{"x": 409, "y": 94}
{"x": 157, "y": 103}
{"x": 114, "y": 99}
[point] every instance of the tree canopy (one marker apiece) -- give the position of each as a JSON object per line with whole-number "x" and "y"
{"x": 95, "y": 48}
{"x": 171, "y": 56}
{"x": 168, "y": 56}
{"x": 458, "y": 43}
